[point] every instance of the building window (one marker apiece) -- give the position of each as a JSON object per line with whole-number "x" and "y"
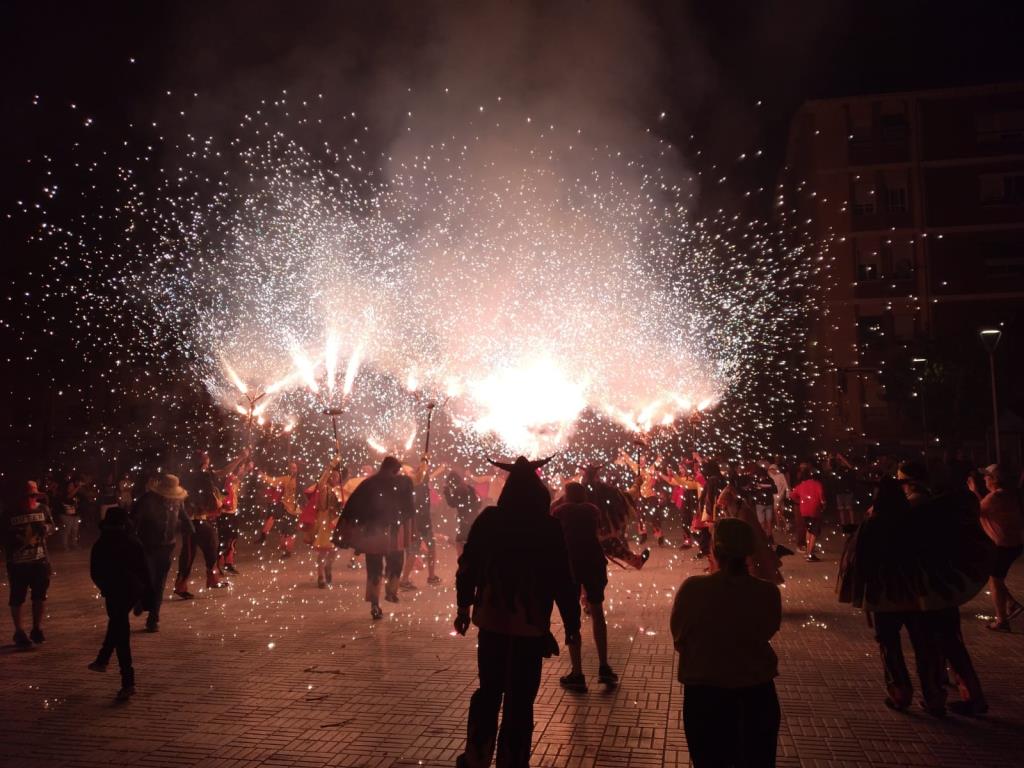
{"x": 895, "y": 191}
{"x": 994, "y": 127}
{"x": 869, "y": 266}
{"x": 892, "y": 123}
{"x": 901, "y": 256}
{"x": 863, "y": 198}
{"x": 1001, "y": 188}
{"x": 870, "y": 329}
{"x": 859, "y": 120}
{"x": 1001, "y": 267}
{"x": 903, "y": 327}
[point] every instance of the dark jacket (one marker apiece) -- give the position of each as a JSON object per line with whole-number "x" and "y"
{"x": 514, "y": 568}
{"x": 157, "y": 520}
{"x": 580, "y": 528}
{"x": 118, "y": 566}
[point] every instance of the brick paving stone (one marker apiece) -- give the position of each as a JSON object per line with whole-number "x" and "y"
{"x": 275, "y": 672}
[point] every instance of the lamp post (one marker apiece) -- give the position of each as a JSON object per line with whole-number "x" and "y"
{"x": 990, "y": 340}
{"x": 919, "y": 363}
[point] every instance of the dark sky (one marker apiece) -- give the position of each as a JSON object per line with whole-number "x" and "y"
{"x": 707, "y": 64}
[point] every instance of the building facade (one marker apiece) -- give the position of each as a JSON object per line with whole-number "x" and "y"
{"x": 920, "y": 199}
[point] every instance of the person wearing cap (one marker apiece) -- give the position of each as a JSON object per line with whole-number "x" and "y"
{"x": 380, "y": 513}
{"x": 118, "y": 568}
{"x": 722, "y": 625}
{"x": 1001, "y": 518}
{"x": 159, "y": 515}
{"x": 513, "y": 571}
{"x": 27, "y": 524}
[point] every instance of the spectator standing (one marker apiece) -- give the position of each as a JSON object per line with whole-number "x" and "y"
{"x": 512, "y": 571}
{"x": 28, "y": 522}
{"x": 69, "y": 520}
{"x": 1001, "y": 518}
{"x": 726, "y": 663}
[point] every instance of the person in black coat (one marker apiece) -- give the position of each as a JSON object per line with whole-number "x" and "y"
{"x": 378, "y": 517}
{"x": 118, "y": 568}
{"x": 514, "y": 568}
{"x": 158, "y": 516}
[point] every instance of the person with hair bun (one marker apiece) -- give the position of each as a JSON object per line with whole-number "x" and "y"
{"x": 722, "y": 626}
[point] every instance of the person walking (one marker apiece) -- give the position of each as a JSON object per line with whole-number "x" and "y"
{"x": 326, "y": 496}
{"x": 461, "y": 497}
{"x": 579, "y": 520}
{"x": 118, "y": 568}
{"x": 379, "y": 516}
{"x": 513, "y": 570}
{"x": 422, "y": 538}
{"x": 727, "y": 666}
{"x": 1001, "y": 518}
{"x": 943, "y": 624}
{"x": 27, "y": 523}
{"x": 809, "y": 496}
{"x": 202, "y": 503}
{"x": 615, "y": 511}
{"x": 158, "y": 516}
{"x": 878, "y": 572}
{"x": 284, "y": 508}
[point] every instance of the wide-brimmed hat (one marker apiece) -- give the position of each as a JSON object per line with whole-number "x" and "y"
{"x": 169, "y": 487}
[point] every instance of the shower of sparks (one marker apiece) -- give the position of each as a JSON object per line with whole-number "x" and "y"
{"x": 555, "y": 293}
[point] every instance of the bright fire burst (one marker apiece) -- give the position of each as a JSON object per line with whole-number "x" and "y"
{"x": 539, "y": 291}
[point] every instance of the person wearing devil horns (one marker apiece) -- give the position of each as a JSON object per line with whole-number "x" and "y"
{"x": 513, "y": 569}
{"x": 377, "y": 520}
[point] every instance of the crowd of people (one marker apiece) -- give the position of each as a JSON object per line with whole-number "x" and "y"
{"x": 920, "y": 542}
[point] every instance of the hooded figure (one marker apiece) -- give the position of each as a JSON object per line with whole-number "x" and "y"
{"x": 118, "y": 567}
{"x": 159, "y": 515}
{"x": 377, "y": 519}
{"x": 514, "y": 568}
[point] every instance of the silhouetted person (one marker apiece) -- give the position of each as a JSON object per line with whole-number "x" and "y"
{"x": 579, "y": 520}
{"x": 118, "y": 568}
{"x": 947, "y": 517}
{"x": 159, "y": 515}
{"x": 512, "y": 571}
{"x": 722, "y": 625}
{"x": 877, "y": 572}
{"x": 379, "y": 515}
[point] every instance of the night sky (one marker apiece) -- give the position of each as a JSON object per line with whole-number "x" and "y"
{"x": 706, "y": 65}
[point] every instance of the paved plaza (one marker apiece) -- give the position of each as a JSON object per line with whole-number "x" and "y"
{"x": 275, "y": 672}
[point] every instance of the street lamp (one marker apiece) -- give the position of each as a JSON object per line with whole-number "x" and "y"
{"x": 918, "y": 362}
{"x": 990, "y": 340}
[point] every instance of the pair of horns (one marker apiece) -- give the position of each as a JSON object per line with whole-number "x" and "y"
{"x": 521, "y": 463}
